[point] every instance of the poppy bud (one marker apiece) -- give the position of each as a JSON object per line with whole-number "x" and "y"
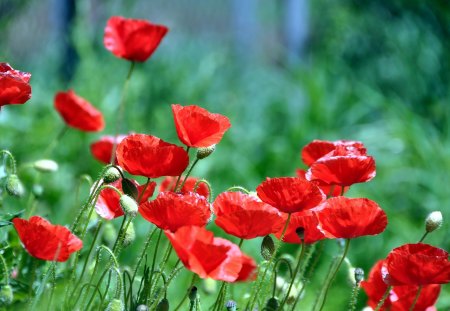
{"x": 14, "y": 186}
{"x": 163, "y": 305}
{"x": 272, "y": 304}
{"x": 209, "y": 286}
{"x": 142, "y": 308}
{"x": 130, "y": 235}
{"x": 129, "y": 205}
{"x": 6, "y": 295}
{"x": 193, "y": 293}
{"x": 359, "y": 275}
{"x": 205, "y": 152}
{"x": 115, "y": 305}
{"x": 130, "y": 188}
{"x": 433, "y": 221}
{"x": 111, "y": 175}
{"x": 300, "y": 231}
{"x": 267, "y": 247}
{"x": 46, "y": 166}
{"x": 231, "y": 305}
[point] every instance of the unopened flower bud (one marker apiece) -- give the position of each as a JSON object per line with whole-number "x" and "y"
{"x": 111, "y": 175}
{"x": 359, "y": 275}
{"x": 142, "y": 308}
{"x": 205, "y": 151}
{"x": 115, "y": 305}
{"x": 38, "y": 190}
{"x": 14, "y": 186}
{"x": 267, "y": 247}
{"x": 300, "y": 231}
{"x": 129, "y": 205}
{"x": 109, "y": 233}
{"x": 130, "y": 235}
{"x": 6, "y": 295}
{"x": 46, "y": 166}
{"x": 433, "y": 221}
{"x": 129, "y": 188}
{"x": 163, "y": 305}
{"x": 272, "y": 304}
{"x": 193, "y": 293}
{"x": 209, "y": 286}
{"x": 231, "y": 305}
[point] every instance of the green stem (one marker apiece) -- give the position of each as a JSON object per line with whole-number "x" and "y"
{"x": 383, "y": 299}
{"x": 53, "y": 286}
{"x": 204, "y": 181}
{"x": 179, "y": 177}
{"x": 155, "y": 252}
{"x": 188, "y": 173}
{"x": 220, "y": 297}
{"x": 55, "y": 141}
{"x": 354, "y": 297}
{"x": 297, "y": 268}
{"x": 146, "y": 244}
{"x": 5, "y": 269}
{"x": 260, "y": 281}
{"x": 238, "y": 188}
{"x": 324, "y": 291}
{"x": 423, "y": 237}
{"x": 416, "y": 298}
{"x": 120, "y": 112}
{"x": 194, "y": 278}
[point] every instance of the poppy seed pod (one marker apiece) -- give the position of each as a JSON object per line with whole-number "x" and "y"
{"x": 46, "y": 166}
{"x": 14, "y": 186}
{"x": 209, "y": 286}
{"x": 267, "y": 247}
{"x": 6, "y": 295}
{"x": 433, "y": 221}
{"x": 129, "y": 205}
{"x": 205, "y": 152}
{"x": 272, "y": 304}
{"x": 192, "y": 293}
{"x": 359, "y": 275}
{"x": 163, "y": 305}
{"x": 111, "y": 175}
{"x": 115, "y": 305}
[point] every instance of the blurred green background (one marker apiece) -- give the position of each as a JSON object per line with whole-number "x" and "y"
{"x": 284, "y": 72}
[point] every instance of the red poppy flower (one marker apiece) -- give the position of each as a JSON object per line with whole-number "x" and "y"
{"x": 207, "y": 256}
{"x": 246, "y": 216}
{"x": 102, "y": 148}
{"x": 303, "y": 223}
{"x": 197, "y": 127}
{"x": 150, "y": 156}
{"x": 329, "y": 190}
{"x": 417, "y": 264}
{"x": 46, "y": 241}
{"x": 342, "y": 170}
{"x": 290, "y": 194}
{"x": 170, "y": 210}
{"x": 319, "y": 148}
{"x": 168, "y": 184}
{"x": 132, "y": 39}
{"x": 248, "y": 270}
{"x": 78, "y": 112}
{"x": 14, "y": 86}
{"x": 346, "y": 218}
{"x": 107, "y": 205}
{"x": 401, "y": 297}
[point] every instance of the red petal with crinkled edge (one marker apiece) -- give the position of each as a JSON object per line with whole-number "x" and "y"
{"x": 290, "y": 194}
{"x": 304, "y": 223}
{"x": 102, "y": 148}
{"x": 170, "y": 210}
{"x": 319, "y": 148}
{"x": 402, "y": 297}
{"x": 132, "y": 39}
{"x": 46, "y": 241}
{"x": 207, "y": 256}
{"x": 107, "y": 205}
{"x": 168, "y": 184}
{"x": 248, "y": 270}
{"x": 349, "y": 218}
{"x": 197, "y": 127}
{"x": 150, "y": 156}
{"x": 14, "y": 86}
{"x": 78, "y": 112}
{"x": 342, "y": 170}
{"x": 417, "y": 264}
{"x": 246, "y": 216}
{"x": 328, "y": 190}
{"x": 375, "y": 287}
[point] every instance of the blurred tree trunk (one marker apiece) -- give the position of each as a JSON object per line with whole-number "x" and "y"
{"x": 63, "y": 17}
{"x": 295, "y": 29}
